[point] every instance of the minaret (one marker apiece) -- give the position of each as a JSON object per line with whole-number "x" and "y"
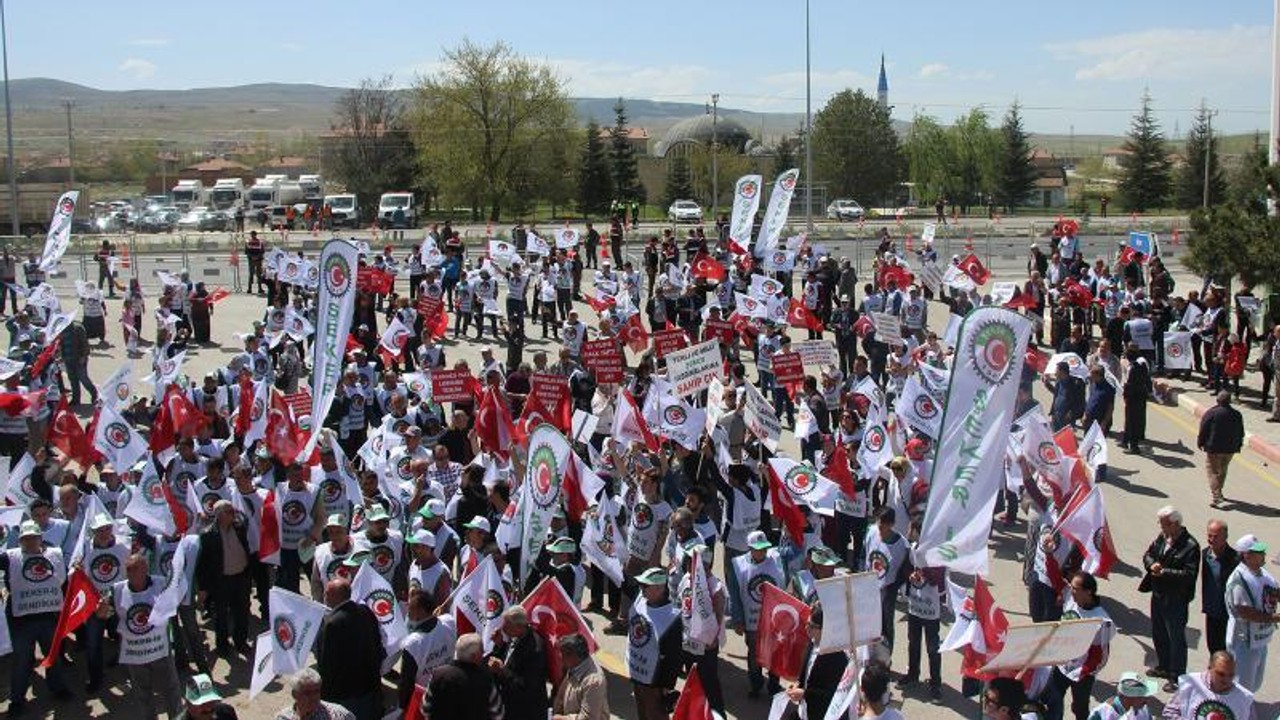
{"x": 882, "y": 88}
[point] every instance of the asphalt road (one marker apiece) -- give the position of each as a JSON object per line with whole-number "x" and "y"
{"x": 1171, "y": 473}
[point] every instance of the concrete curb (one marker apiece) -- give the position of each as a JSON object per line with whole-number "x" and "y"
{"x": 1257, "y": 444}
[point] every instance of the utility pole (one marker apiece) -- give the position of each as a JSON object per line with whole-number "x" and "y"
{"x": 808, "y": 125}
{"x": 1208, "y": 148}
{"x": 715, "y": 157}
{"x": 71, "y": 161}
{"x": 11, "y": 162}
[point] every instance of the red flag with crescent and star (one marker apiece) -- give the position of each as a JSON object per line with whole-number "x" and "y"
{"x": 707, "y": 267}
{"x": 785, "y": 507}
{"x": 693, "y": 703}
{"x": 970, "y": 265}
{"x": 78, "y": 604}
{"x": 553, "y": 616}
{"x": 634, "y": 334}
{"x": 800, "y": 316}
{"x": 781, "y": 638}
{"x": 993, "y": 624}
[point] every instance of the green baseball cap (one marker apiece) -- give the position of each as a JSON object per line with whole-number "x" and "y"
{"x": 201, "y": 690}
{"x": 652, "y": 576}
{"x": 823, "y": 555}
{"x": 562, "y": 545}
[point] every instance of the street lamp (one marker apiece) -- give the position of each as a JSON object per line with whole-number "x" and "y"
{"x": 715, "y": 156}
{"x": 11, "y": 164}
{"x": 808, "y": 126}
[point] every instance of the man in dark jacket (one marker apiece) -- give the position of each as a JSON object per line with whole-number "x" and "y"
{"x": 349, "y": 653}
{"x": 1221, "y": 436}
{"x": 819, "y": 676}
{"x": 222, "y": 573}
{"x": 1217, "y": 562}
{"x": 1068, "y": 397}
{"x": 519, "y": 666}
{"x": 1172, "y": 563}
{"x": 463, "y": 689}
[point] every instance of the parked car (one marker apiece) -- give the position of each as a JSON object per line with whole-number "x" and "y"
{"x": 685, "y": 211}
{"x": 204, "y": 219}
{"x": 845, "y": 210}
{"x": 160, "y": 221}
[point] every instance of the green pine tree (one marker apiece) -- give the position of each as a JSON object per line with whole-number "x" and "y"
{"x": 1145, "y": 172}
{"x": 1189, "y": 192}
{"x": 1017, "y": 173}
{"x": 679, "y": 181}
{"x": 622, "y": 158}
{"x": 595, "y": 186}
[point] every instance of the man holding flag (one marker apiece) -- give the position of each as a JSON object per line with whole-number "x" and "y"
{"x": 33, "y": 583}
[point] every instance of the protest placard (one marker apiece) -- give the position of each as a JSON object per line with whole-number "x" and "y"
{"x": 604, "y": 358}
{"x": 788, "y": 367}
{"x": 1044, "y": 644}
{"x": 692, "y": 369}
{"x": 668, "y": 341}
{"x": 816, "y": 353}
{"x": 761, "y": 419}
{"x": 851, "y": 607}
{"x": 451, "y": 386}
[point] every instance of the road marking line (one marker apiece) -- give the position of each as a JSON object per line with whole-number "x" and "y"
{"x": 1193, "y": 431}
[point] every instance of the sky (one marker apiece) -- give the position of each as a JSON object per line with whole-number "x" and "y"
{"x": 1076, "y": 67}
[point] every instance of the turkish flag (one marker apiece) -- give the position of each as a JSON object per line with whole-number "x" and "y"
{"x": 1128, "y": 255}
{"x": 66, "y": 434}
{"x": 78, "y": 604}
{"x": 283, "y": 434}
{"x": 493, "y": 423}
{"x": 901, "y": 277}
{"x": 837, "y": 469}
{"x": 1077, "y": 294}
{"x": 45, "y": 357}
{"x": 217, "y": 295}
{"x": 1036, "y": 359}
{"x": 802, "y": 317}
{"x": 743, "y": 326}
{"x": 352, "y": 345}
{"x": 181, "y": 517}
{"x": 600, "y": 304}
{"x": 373, "y": 280}
{"x": 269, "y": 533}
{"x": 1021, "y": 300}
{"x": 735, "y": 248}
{"x": 20, "y": 403}
{"x": 781, "y": 639}
{"x": 553, "y": 615}
{"x": 1066, "y": 441}
{"x": 785, "y": 507}
{"x": 244, "y": 418}
{"x": 863, "y": 327}
{"x": 993, "y": 625}
{"x": 707, "y": 267}
{"x": 534, "y": 415}
{"x": 970, "y": 265}
{"x": 185, "y": 417}
{"x": 634, "y": 334}
{"x": 693, "y": 703}
{"x": 413, "y": 711}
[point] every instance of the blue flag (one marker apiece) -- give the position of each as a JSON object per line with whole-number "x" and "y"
{"x": 1141, "y": 242}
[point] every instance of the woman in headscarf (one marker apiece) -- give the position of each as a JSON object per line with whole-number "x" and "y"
{"x": 201, "y": 311}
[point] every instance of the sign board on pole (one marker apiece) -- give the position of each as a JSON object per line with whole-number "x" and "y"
{"x": 451, "y": 386}
{"x": 690, "y": 370}
{"x": 788, "y": 367}
{"x": 761, "y": 418}
{"x": 604, "y": 358}
{"x": 721, "y": 330}
{"x": 550, "y": 389}
{"x": 1043, "y": 644}
{"x": 851, "y": 608}
{"x": 816, "y": 353}
{"x": 931, "y": 275}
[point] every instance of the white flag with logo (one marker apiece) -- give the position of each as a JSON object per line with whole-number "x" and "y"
{"x": 431, "y": 255}
{"x": 681, "y": 422}
{"x": 746, "y": 201}
{"x": 703, "y": 626}
{"x": 1039, "y": 448}
{"x": 295, "y": 622}
{"x": 536, "y": 245}
{"x": 968, "y": 466}
{"x": 147, "y": 504}
{"x": 43, "y": 296}
{"x": 502, "y": 253}
{"x": 373, "y": 591}
{"x": 118, "y": 388}
{"x": 336, "y": 305}
{"x": 775, "y": 216}
{"x": 258, "y": 412}
{"x": 1177, "y": 351}
{"x": 920, "y": 408}
{"x": 395, "y": 337}
{"x": 875, "y": 451}
{"x": 1084, "y": 521}
{"x": 296, "y": 325}
{"x": 549, "y": 454}
{"x": 602, "y": 541}
{"x": 263, "y": 668}
{"x": 165, "y": 372}
{"x": 567, "y": 238}
{"x": 116, "y": 439}
{"x": 1093, "y": 448}
{"x": 958, "y": 279}
{"x": 806, "y": 485}
{"x": 179, "y": 583}
{"x": 59, "y": 237}
{"x": 481, "y": 599}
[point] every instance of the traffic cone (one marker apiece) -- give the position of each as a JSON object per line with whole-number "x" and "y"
{"x": 1175, "y": 234}
{"x": 124, "y": 257}
{"x": 909, "y": 242}
{"x": 968, "y": 244}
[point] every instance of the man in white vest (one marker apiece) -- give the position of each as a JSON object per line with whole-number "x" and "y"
{"x": 653, "y": 645}
{"x": 760, "y": 565}
{"x": 1211, "y": 694}
{"x": 33, "y": 581}
{"x": 1252, "y": 594}
{"x": 103, "y": 562}
{"x": 144, "y": 646}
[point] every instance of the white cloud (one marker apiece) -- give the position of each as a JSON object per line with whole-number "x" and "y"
{"x": 148, "y": 42}
{"x": 934, "y": 70}
{"x": 1171, "y": 54}
{"x": 586, "y": 78}
{"x": 137, "y": 68}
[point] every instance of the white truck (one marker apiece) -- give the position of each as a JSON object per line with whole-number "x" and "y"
{"x": 390, "y": 202}
{"x": 344, "y": 210}
{"x": 263, "y": 193}
{"x": 290, "y": 192}
{"x": 227, "y": 194}
{"x": 188, "y": 194}
{"x": 312, "y": 187}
